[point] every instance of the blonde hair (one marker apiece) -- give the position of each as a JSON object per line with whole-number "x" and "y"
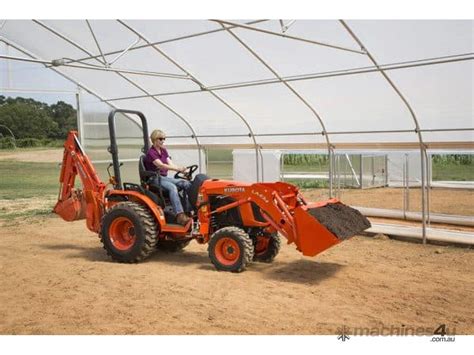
{"x": 157, "y": 133}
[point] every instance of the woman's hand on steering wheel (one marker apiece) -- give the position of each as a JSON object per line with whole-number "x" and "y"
{"x": 187, "y": 173}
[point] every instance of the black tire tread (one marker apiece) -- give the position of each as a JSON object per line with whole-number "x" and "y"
{"x": 272, "y": 251}
{"x": 150, "y": 227}
{"x": 243, "y": 238}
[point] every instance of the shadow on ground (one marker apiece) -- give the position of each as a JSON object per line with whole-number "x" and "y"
{"x": 302, "y": 271}
{"x": 80, "y": 252}
{"x": 180, "y": 258}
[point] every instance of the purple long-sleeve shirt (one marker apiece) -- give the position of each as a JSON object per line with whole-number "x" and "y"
{"x": 154, "y": 154}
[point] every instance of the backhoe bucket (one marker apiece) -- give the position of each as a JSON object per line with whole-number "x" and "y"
{"x": 73, "y": 208}
{"x": 322, "y": 225}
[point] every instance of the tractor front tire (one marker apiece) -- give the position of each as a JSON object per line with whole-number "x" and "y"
{"x": 230, "y": 249}
{"x": 267, "y": 248}
{"x": 128, "y": 232}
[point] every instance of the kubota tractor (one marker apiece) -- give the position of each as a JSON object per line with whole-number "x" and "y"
{"x": 241, "y": 222}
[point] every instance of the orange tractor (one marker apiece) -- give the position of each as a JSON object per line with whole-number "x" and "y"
{"x": 241, "y": 222}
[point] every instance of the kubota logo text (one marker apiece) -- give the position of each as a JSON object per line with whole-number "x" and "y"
{"x": 233, "y": 189}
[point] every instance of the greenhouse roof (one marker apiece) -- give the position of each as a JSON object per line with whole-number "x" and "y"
{"x": 271, "y": 83}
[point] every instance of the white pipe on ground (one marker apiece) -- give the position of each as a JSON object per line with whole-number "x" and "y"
{"x": 432, "y": 234}
{"x": 416, "y": 216}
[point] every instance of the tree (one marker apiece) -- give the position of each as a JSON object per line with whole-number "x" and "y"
{"x": 65, "y": 117}
{"x": 28, "y": 118}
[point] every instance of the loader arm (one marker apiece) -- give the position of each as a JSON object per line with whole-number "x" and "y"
{"x": 74, "y": 204}
{"x": 313, "y": 227}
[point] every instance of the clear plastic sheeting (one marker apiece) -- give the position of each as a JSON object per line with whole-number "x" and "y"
{"x": 221, "y": 79}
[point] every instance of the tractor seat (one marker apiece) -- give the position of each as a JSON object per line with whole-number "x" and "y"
{"x": 146, "y": 177}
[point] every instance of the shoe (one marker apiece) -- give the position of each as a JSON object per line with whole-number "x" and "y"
{"x": 182, "y": 219}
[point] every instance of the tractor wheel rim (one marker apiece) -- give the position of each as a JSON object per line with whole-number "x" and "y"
{"x": 227, "y": 251}
{"x": 122, "y": 233}
{"x": 262, "y": 245}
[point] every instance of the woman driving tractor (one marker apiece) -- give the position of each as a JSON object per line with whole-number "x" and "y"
{"x": 157, "y": 159}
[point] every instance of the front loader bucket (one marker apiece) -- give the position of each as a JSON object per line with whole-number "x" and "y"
{"x": 322, "y": 225}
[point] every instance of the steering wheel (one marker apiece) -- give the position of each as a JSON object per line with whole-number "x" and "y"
{"x": 188, "y": 174}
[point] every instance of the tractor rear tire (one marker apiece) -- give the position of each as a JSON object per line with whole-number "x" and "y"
{"x": 266, "y": 250}
{"x": 172, "y": 246}
{"x": 128, "y": 232}
{"x": 230, "y": 249}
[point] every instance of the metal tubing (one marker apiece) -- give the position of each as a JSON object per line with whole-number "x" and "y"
{"x": 9, "y": 69}
{"x": 64, "y": 38}
{"x": 99, "y": 68}
{"x": 415, "y": 120}
{"x": 273, "y": 71}
{"x": 428, "y": 185}
{"x": 242, "y": 118}
{"x": 331, "y": 171}
{"x": 305, "y": 133}
{"x": 330, "y": 74}
{"x": 96, "y": 41}
{"x": 404, "y": 185}
{"x": 78, "y": 83}
{"x": 311, "y": 133}
{"x": 407, "y": 160}
{"x": 10, "y": 57}
{"x": 439, "y": 235}
{"x": 80, "y": 121}
{"x": 130, "y": 81}
{"x": 124, "y": 51}
{"x": 288, "y": 36}
{"x": 38, "y": 91}
{"x": 166, "y": 41}
{"x": 287, "y": 26}
{"x": 127, "y": 71}
{"x": 261, "y": 164}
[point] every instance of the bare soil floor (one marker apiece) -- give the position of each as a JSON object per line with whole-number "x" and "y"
{"x": 56, "y": 279}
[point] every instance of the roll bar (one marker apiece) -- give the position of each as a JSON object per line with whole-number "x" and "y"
{"x": 113, "y": 148}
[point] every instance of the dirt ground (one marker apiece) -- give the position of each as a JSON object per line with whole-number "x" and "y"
{"x": 39, "y": 155}
{"x": 56, "y": 279}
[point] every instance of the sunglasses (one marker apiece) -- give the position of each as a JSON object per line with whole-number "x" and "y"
{"x": 162, "y": 139}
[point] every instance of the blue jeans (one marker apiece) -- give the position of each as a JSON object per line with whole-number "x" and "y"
{"x": 172, "y": 185}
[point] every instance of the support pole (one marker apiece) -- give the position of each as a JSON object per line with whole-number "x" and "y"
{"x": 423, "y": 192}
{"x": 80, "y": 119}
{"x": 415, "y": 121}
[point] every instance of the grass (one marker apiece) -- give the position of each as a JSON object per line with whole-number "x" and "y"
{"x": 26, "y": 180}
{"x": 308, "y": 183}
{"x": 452, "y": 172}
{"x": 307, "y": 168}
